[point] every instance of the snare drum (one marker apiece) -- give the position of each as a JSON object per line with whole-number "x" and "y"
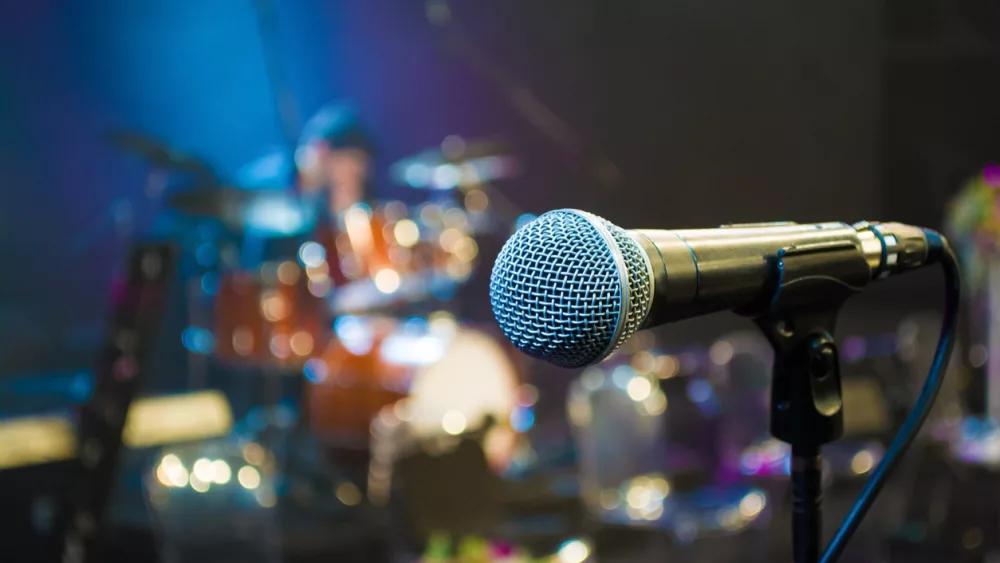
{"x": 270, "y": 317}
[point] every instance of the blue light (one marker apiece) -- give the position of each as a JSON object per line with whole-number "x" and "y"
{"x": 82, "y": 386}
{"x": 622, "y": 375}
{"x": 446, "y": 177}
{"x": 522, "y": 419}
{"x": 315, "y": 370}
{"x": 312, "y": 254}
{"x": 356, "y": 335}
{"x": 414, "y": 325}
{"x": 258, "y": 418}
{"x": 210, "y": 283}
{"x": 197, "y": 340}
{"x": 699, "y": 391}
{"x": 445, "y": 291}
{"x": 276, "y": 216}
{"x": 206, "y": 254}
{"x": 417, "y": 175}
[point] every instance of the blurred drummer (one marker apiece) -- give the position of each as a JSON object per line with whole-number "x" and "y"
{"x": 333, "y": 161}
{"x": 335, "y": 156}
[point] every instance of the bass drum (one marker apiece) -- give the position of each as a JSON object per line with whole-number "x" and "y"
{"x": 453, "y": 378}
{"x": 270, "y": 317}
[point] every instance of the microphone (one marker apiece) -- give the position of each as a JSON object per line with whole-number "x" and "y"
{"x": 570, "y": 287}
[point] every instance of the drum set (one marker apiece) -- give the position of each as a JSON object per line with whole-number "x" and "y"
{"x": 352, "y": 306}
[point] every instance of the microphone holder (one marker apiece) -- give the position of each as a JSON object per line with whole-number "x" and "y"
{"x": 809, "y": 287}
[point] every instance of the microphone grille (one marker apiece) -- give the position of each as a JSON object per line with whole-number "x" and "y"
{"x": 569, "y": 288}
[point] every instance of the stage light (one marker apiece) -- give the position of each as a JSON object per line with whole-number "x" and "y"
{"x": 348, "y": 494}
{"x": 610, "y": 499}
{"x": 315, "y": 370}
{"x": 248, "y": 477}
{"x": 311, "y": 254}
{"x": 592, "y": 378}
{"x": 667, "y": 366}
{"x": 199, "y": 485}
{"x": 203, "y": 470}
{"x": 171, "y": 472}
{"x": 355, "y": 334}
{"x": 243, "y": 340}
{"x": 289, "y": 272}
{"x": 254, "y": 454}
{"x": 638, "y": 388}
{"x": 406, "y": 233}
{"x": 387, "y": 281}
{"x": 721, "y": 353}
{"x": 655, "y": 404}
{"x": 476, "y": 201}
{"x": 221, "y": 473}
{"x": 862, "y": 462}
{"x": 320, "y": 288}
{"x": 574, "y": 551}
{"x": 453, "y": 423}
{"x": 752, "y": 504}
{"x": 301, "y": 343}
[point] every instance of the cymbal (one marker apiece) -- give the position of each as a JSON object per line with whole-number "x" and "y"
{"x": 261, "y": 212}
{"x": 158, "y": 153}
{"x": 456, "y": 163}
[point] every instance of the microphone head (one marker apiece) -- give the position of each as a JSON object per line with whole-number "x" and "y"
{"x": 569, "y": 288}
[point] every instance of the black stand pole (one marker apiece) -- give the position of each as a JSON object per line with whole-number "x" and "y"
{"x": 807, "y": 516}
{"x": 806, "y": 402}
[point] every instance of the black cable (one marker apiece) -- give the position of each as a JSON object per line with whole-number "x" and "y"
{"x": 940, "y": 251}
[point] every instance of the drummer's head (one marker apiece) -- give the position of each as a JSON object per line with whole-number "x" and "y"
{"x": 337, "y": 156}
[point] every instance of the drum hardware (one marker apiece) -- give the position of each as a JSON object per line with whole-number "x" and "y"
{"x": 467, "y": 170}
{"x": 160, "y": 155}
{"x": 138, "y": 303}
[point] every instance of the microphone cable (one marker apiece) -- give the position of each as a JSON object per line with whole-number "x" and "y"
{"x": 939, "y": 249}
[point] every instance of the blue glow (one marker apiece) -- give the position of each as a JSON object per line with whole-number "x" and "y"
{"x": 257, "y": 418}
{"x": 699, "y": 391}
{"x": 356, "y": 335}
{"x": 415, "y": 325}
{"x": 277, "y": 216}
{"x": 445, "y": 291}
{"x": 315, "y": 370}
{"x": 210, "y": 283}
{"x": 268, "y": 172}
{"x": 206, "y": 254}
{"x": 312, "y": 254}
{"x": 417, "y": 175}
{"x": 621, "y": 375}
{"x": 197, "y": 340}
{"x": 446, "y": 177}
{"x": 170, "y": 70}
{"x": 522, "y": 419}
{"x": 82, "y": 386}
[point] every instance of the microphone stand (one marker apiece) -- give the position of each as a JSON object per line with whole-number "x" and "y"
{"x": 806, "y": 400}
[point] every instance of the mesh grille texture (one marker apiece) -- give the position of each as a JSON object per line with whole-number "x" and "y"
{"x": 556, "y": 290}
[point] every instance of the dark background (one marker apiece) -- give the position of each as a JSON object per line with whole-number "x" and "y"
{"x": 710, "y": 111}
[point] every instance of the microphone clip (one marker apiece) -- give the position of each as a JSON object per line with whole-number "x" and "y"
{"x": 810, "y": 284}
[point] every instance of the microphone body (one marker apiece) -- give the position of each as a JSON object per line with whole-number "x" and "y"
{"x": 703, "y": 271}
{"x": 570, "y": 287}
